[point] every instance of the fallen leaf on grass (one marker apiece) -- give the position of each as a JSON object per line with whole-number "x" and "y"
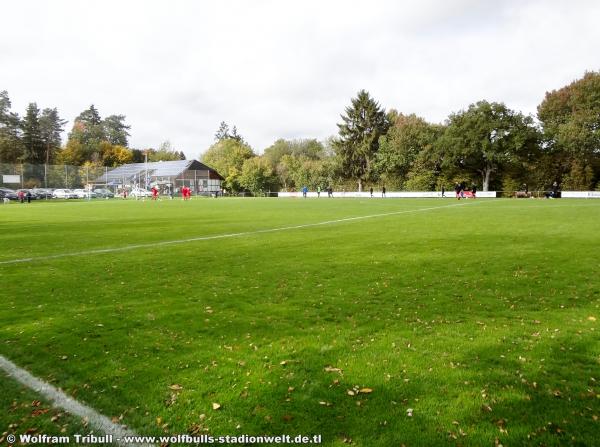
{"x": 556, "y": 393}
{"x": 591, "y": 318}
{"x": 333, "y": 369}
{"x": 216, "y": 406}
{"x": 366, "y": 390}
{"x": 175, "y": 387}
{"x": 327, "y": 404}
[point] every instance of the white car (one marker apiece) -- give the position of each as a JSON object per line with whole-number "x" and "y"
{"x": 64, "y": 194}
{"x": 139, "y": 192}
{"x": 84, "y": 194}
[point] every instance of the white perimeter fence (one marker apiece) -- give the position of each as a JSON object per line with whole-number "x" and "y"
{"x": 438, "y": 194}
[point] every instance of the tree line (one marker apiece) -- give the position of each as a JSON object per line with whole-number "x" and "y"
{"x": 35, "y": 138}
{"x": 487, "y": 144}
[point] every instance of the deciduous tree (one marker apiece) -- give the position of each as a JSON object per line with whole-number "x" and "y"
{"x": 227, "y": 158}
{"x": 486, "y": 137}
{"x": 409, "y": 147}
{"x": 258, "y": 176}
{"x": 570, "y": 118}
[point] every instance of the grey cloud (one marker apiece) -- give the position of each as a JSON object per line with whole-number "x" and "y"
{"x": 275, "y": 69}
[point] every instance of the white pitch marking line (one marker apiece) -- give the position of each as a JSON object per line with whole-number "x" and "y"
{"x": 220, "y": 236}
{"x": 60, "y": 399}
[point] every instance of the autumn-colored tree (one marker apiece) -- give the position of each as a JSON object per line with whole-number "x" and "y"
{"x": 227, "y": 158}
{"x": 570, "y": 118}
{"x": 115, "y": 155}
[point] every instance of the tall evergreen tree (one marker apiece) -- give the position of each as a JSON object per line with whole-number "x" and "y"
{"x": 87, "y": 134}
{"x": 90, "y": 116}
{"x": 32, "y": 136}
{"x": 11, "y": 146}
{"x": 51, "y": 126}
{"x": 236, "y": 136}
{"x": 223, "y": 132}
{"x": 363, "y": 123}
{"x": 115, "y": 130}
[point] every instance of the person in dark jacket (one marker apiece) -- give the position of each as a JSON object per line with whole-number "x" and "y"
{"x": 457, "y": 190}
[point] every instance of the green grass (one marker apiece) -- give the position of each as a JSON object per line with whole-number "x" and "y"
{"x": 481, "y": 318}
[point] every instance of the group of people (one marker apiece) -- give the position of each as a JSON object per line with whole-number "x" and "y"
{"x": 186, "y": 193}
{"x": 461, "y": 189}
{"x": 23, "y": 196}
{"x": 329, "y": 190}
{"x": 382, "y": 192}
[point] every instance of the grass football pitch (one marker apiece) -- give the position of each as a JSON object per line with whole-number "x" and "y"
{"x": 422, "y": 322}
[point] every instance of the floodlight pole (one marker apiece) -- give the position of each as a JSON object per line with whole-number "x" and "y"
{"x": 87, "y": 182}
{"x": 146, "y": 163}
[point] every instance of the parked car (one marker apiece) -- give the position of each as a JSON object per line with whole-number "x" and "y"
{"x": 64, "y": 194}
{"x": 43, "y": 193}
{"x": 85, "y": 194}
{"x": 8, "y": 194}
{"x": 139, "y": 192}
{"x": 104, "y": 193}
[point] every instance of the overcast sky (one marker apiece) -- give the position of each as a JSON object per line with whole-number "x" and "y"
{"x": 286, "y": 69}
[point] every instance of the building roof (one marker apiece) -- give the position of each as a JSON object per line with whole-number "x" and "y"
{"x": 156, "y": 169}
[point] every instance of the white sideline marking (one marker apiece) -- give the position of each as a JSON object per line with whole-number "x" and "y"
{"x": 60, "y": 399}
{"x": 221, "y": 236}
